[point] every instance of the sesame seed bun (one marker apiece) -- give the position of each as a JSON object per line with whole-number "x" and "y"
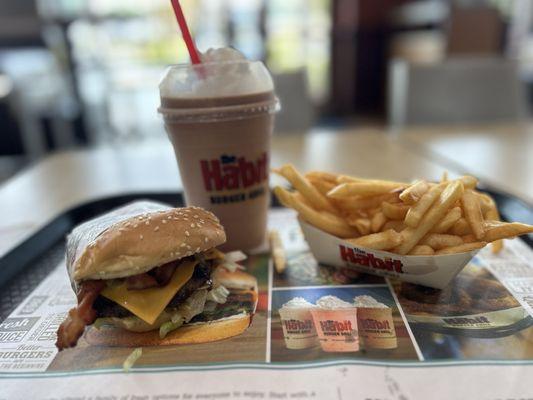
{"x": 140, "y": 243}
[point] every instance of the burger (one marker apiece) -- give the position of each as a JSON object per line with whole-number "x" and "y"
{"x": 155, "y": 277}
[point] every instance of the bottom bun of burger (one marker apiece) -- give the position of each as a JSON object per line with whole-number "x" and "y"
{"x": 200, "y": 332}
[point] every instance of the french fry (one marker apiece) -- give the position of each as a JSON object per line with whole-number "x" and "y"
{"x": 461, "y": 228}
{"x": 322, "y": 176}
{"x": 421, "y": 250}
{"x": 470, "y": 238}
{"x": 473, "y": 214}
{"x": 378, "y": 241}
{"x": 351, "y": 204}
{"x": 439, "y": 241}
{"x": 493, "y": 214}
{"x": 444, "y": 177}
{"x": 496, "y": 246}
{"x": 361, "y": 224}
{"x": 398, "y": 226}
{"x": 413, "y": 193}
{"x": 462, "y": 248}
{"x": 298, "y": 196}
{"x": 352, "y": 179}
{"x": 453, "y": 191}
{"x": 485, "y": 202}
{"x": 488, "y": 206}
{"x": 348, "y": 179}
{"x": 370, "y": 212}
{"x": 394, "y": 211}
{"x": 469, "y": 182}
{"x": 327, "y": 222}
{"x": 321, "y": 185}
{"x": 364, "y": 188}
{"x": 377, "y": 221}
{"x": 448, "y": 221}
{"x": 278, "y": 252}
{"x": 421, "y": 218}
{"x": 416, "y": 212}
{"x": 303, "y": 186}
{"x": 496, "y": 230}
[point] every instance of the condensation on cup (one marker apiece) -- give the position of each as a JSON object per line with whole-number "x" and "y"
{"x": 336, "y": 324}
{"x": 376, "y": 326}
{"x": 297, "y": 323}
{"x": 219, "y": 117}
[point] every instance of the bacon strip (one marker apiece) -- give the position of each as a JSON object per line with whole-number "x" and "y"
{"x": 78, "y": 317}
{"x": 141, "y": 281}
{"x": 164, "y": 272}
{"x": 158, "y": 276}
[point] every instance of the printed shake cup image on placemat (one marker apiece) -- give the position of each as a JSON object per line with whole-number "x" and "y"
{"x": 354, "y": 321}
{"x": 376, "y": 327}
{"x": 297, "y": 322}
{"x": 336, "y": 324}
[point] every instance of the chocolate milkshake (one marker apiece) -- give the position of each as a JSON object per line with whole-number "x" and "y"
{"x": 219, "y": 118}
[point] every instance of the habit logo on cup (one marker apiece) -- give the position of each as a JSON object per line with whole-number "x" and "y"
{"x": 336, "y": 328}
{"x": 359, "y": 257}
{"x": 298, "y": 328}
{"x": 295, "y": 326}
{"x": 230, "y": 172}
{"x": 336, "y": 324}
{"x": 374, "y": 324}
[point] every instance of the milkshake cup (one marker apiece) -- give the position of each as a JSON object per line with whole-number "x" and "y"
{"x": 376, "y": 326}
{"x": 219, "y": 117}
{"x": 336, "y": 324}
{"x": 297, "y": 323}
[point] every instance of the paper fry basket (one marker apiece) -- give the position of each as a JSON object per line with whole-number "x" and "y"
{"x": 432, "y": 271}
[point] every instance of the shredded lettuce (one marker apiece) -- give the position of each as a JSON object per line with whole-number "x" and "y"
{"x": 169, "y": 327}
{"x": 194, "y": 305}
{"x": 230, "y": 266}
{"x": 218, "y": 294}
{"x": 191, "y": 307}
{"x": 235, "y": 256}
{"x": 99, "y": 322}
{"x": 131, "y": 359}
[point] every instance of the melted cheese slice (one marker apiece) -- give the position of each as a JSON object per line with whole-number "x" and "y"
{"x": 147, "y": 304}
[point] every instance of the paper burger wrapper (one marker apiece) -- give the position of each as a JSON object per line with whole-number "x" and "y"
{"x": 432, "y": 271}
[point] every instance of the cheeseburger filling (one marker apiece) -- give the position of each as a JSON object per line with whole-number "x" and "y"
{"x": 199, "y": 294}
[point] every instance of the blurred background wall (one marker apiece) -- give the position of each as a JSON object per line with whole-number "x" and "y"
{"x": 85, "y": 72}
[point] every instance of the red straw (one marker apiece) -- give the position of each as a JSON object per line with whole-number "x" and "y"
{"x": 195, "y": 58}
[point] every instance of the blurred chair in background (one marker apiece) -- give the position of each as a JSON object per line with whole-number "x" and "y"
{"x": 463, "y": 90}
{"x": 297, "y": 113}
{"x": 41, "y": 100}
{"x": 417, "y": 31}
{"x": 486, "y": 39}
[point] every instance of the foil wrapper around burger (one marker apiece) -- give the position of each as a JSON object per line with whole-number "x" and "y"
{"x": 83, "y": 235}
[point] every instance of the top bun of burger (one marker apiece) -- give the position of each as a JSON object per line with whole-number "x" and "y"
{"x": 140, "y": 243}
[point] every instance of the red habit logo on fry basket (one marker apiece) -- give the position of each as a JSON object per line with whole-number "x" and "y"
{"x": 369, "y": 260}
{"x": 231, "y": 172}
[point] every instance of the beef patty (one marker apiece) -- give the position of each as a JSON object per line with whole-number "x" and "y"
{"x": 201, "y": 276}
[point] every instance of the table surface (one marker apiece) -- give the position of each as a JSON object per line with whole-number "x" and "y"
{"x": 499, "y": 155}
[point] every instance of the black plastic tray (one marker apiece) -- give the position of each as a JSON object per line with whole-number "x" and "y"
{"x": 24, "y": 267}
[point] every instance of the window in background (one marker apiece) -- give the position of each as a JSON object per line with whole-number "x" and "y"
{"x": 298, "y": 36}
{"x": 119, "y": 49}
